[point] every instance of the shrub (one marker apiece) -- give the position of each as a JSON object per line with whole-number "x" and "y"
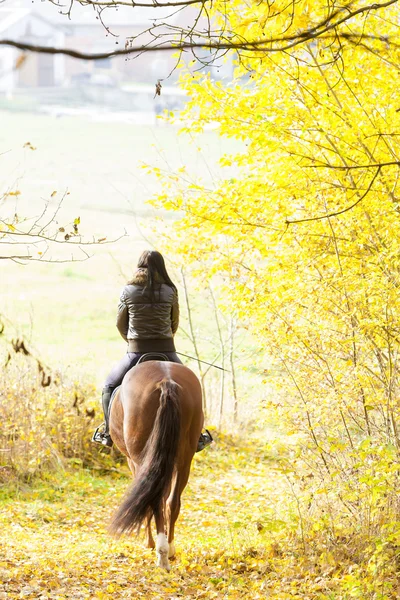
{"x": 45, "y": 428}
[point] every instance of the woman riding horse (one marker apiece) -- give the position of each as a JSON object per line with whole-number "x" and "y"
{"x": 148, "y": 318}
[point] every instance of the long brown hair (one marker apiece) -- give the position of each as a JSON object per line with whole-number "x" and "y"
{"x": 154, "y": 263}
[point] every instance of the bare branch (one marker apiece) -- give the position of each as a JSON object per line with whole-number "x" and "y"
{"x": 38, "y": 239}
{"x": 48, "y": 238}
{"x": 22, "y": 260}
{"x": 348, "y": 168}
{"x": 153, "y": 4}
{"x": 223, "y": 40}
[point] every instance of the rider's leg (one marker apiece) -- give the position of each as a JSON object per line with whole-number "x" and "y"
{"x": 205, "y": 438}
{"x": 105, "y": 401}
{"x": 102, "y": 435}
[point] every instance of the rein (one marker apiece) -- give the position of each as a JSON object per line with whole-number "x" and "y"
{"x": 203, "y": 361}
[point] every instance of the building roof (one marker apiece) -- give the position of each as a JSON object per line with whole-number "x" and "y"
{"x": 54, "y": 11}
{"x": 9, "y": 17}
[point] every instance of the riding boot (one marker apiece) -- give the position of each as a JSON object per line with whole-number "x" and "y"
{"x": 204, "y": 440}
{"x": 105, "y": 400}
{"x": 102, "y": 434}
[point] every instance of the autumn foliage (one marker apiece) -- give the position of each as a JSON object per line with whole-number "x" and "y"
{"x": 301, "y": 238}
{"x": 304, "y": 229}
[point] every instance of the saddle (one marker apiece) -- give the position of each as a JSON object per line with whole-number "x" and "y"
{"x": 143, "y": 358}
{"x": 152, "y": 356}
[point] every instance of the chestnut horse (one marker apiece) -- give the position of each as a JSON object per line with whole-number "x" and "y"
{"x": 155, "y": 420}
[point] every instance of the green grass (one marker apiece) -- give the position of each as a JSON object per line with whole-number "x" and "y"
{"x": 100, "y": 163}
{"x": 67, "y": 311}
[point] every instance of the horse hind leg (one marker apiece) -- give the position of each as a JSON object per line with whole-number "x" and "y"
{"x": 174, "y": 505}
{"x": 150, "y": 543}
{"x": 149, "y": 536}
{"x": 162, "y": 546}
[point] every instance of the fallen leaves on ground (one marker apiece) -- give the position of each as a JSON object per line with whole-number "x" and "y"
{"x": 233, "y": 540}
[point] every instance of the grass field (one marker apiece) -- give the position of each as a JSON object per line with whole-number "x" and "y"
{"x": 68, "y": 310}
{"x": 100, "y": 163}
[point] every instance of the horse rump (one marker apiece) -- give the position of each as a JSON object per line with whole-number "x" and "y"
{"x": 156, "y": 468}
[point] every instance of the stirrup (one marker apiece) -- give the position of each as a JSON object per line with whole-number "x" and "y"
{"x": 205, "y": 440}
{"x": 101, "y": 437}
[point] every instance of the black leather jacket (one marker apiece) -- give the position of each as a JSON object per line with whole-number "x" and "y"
{"x": 145, "y": 324}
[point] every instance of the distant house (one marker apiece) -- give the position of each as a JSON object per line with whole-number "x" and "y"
{"x": 36, "y": 69}
{"x": 42, "y": 24}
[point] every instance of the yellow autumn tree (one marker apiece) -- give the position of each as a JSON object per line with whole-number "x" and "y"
{"x": 305, "y": 229}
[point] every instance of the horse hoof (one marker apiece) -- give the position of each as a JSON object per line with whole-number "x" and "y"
{"x": 171, "y": 550}
{"x": 162, "y": 551}
{"x": 163, "y": 562}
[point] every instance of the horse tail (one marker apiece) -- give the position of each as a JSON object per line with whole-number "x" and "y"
{"x": 157, "y": 465}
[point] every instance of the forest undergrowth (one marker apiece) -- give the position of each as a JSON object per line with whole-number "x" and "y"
{"x": 248, "y": 528}
{"x": 235, "y": 537}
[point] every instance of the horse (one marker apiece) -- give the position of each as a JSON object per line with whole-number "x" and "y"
{"x": 155, "y": 420}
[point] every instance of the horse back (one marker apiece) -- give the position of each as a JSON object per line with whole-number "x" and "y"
{"x": 134, "y": 412}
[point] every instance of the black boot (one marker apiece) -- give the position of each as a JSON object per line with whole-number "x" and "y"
{"x": 204, "y": 440}
{"x": 102, "y": 434}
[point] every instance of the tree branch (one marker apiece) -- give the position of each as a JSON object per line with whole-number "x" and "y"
{"x": 225, "y": 42}
{"x": 339, "y": 212}
{"x": 347, "y": 168}
{"x": 154, "y": 3}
